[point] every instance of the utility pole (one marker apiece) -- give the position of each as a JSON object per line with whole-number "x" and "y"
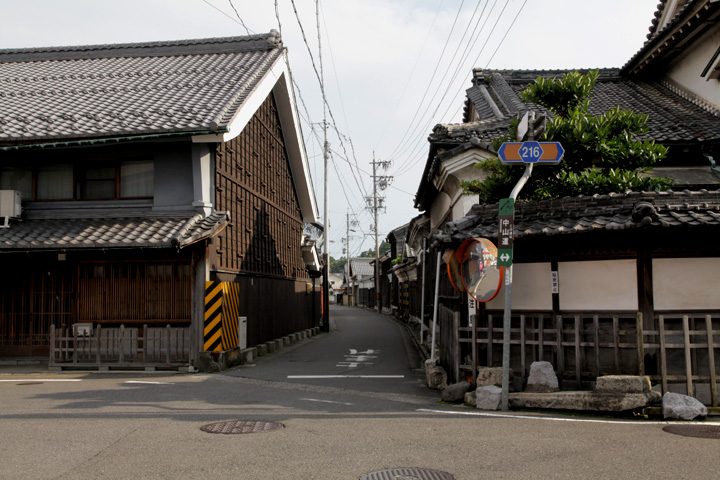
{"x": 326, "y": 242}
{"x": 347, "y": 257}
{"x": 380, "y": 182}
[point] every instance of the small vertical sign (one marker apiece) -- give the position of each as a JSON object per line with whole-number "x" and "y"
{"x": 506, "y": 227}
{"x": 471, "y": 311}
{"x": 555, "y": 282}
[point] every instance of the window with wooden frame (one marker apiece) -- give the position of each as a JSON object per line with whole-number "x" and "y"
{"x": 96, "y": 180}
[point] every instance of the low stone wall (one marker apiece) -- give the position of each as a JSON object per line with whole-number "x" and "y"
{"x": 219, "y": 361}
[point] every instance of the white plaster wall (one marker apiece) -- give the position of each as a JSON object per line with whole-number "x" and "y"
{"x": 598, "y": 285}
{"x": 686, "y": 283}
{"x": 687, "y": 71}
{"x": 531, "y": 289}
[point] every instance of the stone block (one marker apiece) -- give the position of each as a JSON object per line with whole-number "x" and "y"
{"x": 542, "y": 378}
{"x": 488, "y": 397}
{"x": 583, "y": 401}
{"x": 623, "y": 384}
{"x": 455, "y": 392}
{"x": 490, "y": 376}
{"x": 262, "y": 349}
{"x": 279, "y": 344}
{"x": 247, "y": 355}
{"x": 682, "y": 407}
{"x": 471, "y": 398}
{"x": 435, "y": 376}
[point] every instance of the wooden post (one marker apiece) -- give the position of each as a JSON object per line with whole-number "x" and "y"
{"x": 98, "y": 333}
{"x": 616, "y": 342}
{"x": 578, "y": 352}
{"x": 145, "y": 343}
{"x": 541, "y": 345}
{"x": 711, "y": 361}
{"x": 121, "y": 344}
{"x": 167, "y": 336}
{"x": 75, "y": 344}
{"x": 640, "y": 343}
{"x": 522, "y": 346}
{"x": 596, "y": 339}
{"x": 688, "y": 359}
{"x": 456, "y": 347}
{"x": 559, "y": 340}
{"x": 52, "y": 345}
{"x": 663, "y": 354}
{"x": 490, "y": 342}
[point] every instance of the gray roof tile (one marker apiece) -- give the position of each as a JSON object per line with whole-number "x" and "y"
{"x": 574, "y": 215}
{"x": 109, "y": 233}
{"x": 56, "y": 94}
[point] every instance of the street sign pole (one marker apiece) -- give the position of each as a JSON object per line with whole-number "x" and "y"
{"x": 507, "y": 315}
{"x": 529, "y": 153}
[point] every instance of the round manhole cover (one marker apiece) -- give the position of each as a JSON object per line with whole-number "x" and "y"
{"x": 698, "y": 431}
{"x": 408, "y": 474}
{"x": 241, "y": 426}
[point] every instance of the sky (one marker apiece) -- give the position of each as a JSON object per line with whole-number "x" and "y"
{"x": 391, "y": 69}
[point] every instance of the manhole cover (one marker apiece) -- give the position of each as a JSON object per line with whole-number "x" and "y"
{"x": 241, "y": 426}
{"x": 408, "y": 474}
{"x": 699, "y": 431}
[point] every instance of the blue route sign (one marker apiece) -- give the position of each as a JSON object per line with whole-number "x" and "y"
{"x": 513, "y": 153}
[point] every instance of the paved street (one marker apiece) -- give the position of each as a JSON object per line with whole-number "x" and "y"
{"x": 351, "y": 402}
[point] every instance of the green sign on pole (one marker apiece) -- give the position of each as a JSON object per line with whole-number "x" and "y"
{"x": 506, "y": 217}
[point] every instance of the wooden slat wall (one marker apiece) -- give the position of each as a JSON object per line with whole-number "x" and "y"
{"x": 134, "y": 292}
{"x": 254, "y": 183}
{"x": 683, "y": 349}
{"x": 30, "y": 302}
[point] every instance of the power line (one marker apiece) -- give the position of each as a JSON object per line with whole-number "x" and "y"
{"x": 238, "y": 16}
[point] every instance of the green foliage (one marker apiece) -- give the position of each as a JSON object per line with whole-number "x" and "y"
{"x": 337, "y": 266}
{"x": 397, "y": 260}
{"x": 383, "y": 248}
{"x": 602, "y": 153}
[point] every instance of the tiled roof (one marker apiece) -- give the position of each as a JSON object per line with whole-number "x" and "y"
{"x": 361, "y": 266}
{"x": 574, "y": 215}
{"x": 689, "y": 21}
{"x": 108, "y": 233}
{"x": 69, "y": 93}
{"x": 671, "y": 117}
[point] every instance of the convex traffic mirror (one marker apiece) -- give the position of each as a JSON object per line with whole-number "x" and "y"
{"x": 481, "y": 275}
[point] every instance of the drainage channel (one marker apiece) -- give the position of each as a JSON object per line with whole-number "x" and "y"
{"x": 697, "y": 431}
{"x": 408, "y": 474}
{"x": 241, "y": 426}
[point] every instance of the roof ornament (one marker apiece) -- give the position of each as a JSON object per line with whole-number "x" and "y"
{"x": 645, "y": 213}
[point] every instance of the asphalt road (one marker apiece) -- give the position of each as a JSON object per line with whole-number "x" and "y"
{"x": 351, "y": 402}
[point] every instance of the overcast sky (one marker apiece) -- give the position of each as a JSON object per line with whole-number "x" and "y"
{"x": 392, "y": 69}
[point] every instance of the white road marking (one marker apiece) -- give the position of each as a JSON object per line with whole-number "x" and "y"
{"x": 324, "y": 401}
{"x": 553, "y": 419}
{"x": 346, "y": 376}
{"x": 149, "y": 383}
{"x": 43, "y": 380}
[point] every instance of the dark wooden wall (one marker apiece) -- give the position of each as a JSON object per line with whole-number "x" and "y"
{"x": 254, "y": 183}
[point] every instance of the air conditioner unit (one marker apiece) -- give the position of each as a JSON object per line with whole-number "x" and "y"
{"x": 10, "y": 206}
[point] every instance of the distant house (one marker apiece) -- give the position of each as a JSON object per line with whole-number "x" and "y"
{"x": 162, "y": 186}
{"x": 609, "y": 283}
{"x": 361, "y": 278}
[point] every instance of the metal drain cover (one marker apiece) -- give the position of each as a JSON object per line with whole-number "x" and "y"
{"x": 699, "y": 431}
{"x": 408, "y": 474}
{"x": 241, "y": 426}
